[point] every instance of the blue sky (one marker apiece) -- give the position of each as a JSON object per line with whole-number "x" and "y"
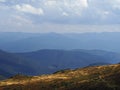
{"x": 60, "y": 15}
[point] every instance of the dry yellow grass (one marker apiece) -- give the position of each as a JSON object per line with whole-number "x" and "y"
{"x": 67, "y": 79}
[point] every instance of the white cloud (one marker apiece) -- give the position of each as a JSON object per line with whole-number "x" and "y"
{"x": 2, "y": 0}
{"x": 34, "y": 13}
{"x": 76, "y": 3}
{"x": 50, "y": 3}
{"x": 116, "y": 4}
{"x": 75, "y": 7}
{"x": 20, "y": 21}
{"x": 70, "y": 6}
{"x": 65, "y": 14}
{"x": 29, "y": 9}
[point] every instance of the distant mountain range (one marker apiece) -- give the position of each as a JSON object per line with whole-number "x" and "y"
{"x": 51, "y": 60}
{"x": 26, "y": 42}
{"x": 90, "y": 78}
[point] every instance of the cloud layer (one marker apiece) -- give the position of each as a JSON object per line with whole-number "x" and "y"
{"x": 26, "y": 8}
{"x": 25, "y": 13}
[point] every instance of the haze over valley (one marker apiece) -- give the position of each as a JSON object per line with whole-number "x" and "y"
{"x": 59, "y": 44}
{"x": 27, "y": 42}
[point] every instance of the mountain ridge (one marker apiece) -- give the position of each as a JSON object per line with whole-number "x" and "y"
{"x": 48, "y": 61}
{"x": 11, "y": 64}
{"x": 26, "y": 42}
{"x": 89, "y": 78}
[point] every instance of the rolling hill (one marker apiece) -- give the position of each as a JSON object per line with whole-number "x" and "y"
{"x": 51, "y": 60}
{"x": 48, "y": 61}
{"x": 10, "y": 64}
{"x": 89, "y": 78}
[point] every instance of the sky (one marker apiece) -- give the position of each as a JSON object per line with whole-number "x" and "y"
{"x": 62, "y": 16}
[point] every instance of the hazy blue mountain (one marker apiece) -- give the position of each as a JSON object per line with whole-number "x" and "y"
{"x": 51, "y": 60}
{"x": 48, "y": 61}
{"x": 98, "y": 64}
{"x": 13, "y": 36}
{"x": 8, "y": 37}
{"x": 26, "y": 42}
{"x": 43, "y": 41}
{"x": 10, "y": 64}
{"x": 112, "y": 56}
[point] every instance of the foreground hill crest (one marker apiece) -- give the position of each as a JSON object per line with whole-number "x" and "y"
{"x": 88, "y": 78}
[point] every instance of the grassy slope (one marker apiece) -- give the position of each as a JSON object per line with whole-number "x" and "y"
{"x": 89, "y": 78}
